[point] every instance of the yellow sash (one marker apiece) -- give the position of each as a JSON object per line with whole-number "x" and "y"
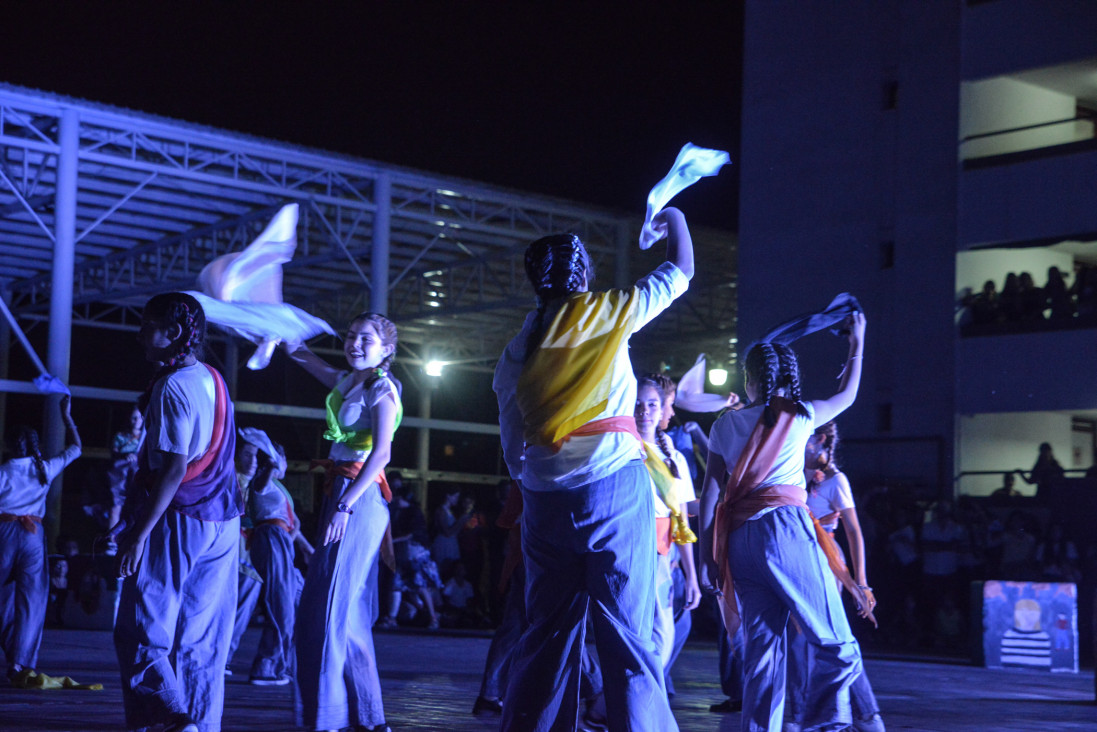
{"x": 666, "y": 487}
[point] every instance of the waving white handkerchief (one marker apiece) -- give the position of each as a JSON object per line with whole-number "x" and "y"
{"x": 692, "y": 164}
{"x": 242, "y": 291}
{"x": 691, "y": 394}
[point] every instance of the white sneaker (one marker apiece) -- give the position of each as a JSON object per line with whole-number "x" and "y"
{"x": 875, "y": 723}
{"x": 790, "y": 727}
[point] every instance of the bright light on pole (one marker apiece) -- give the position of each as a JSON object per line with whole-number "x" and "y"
{"x": 718, "y": 376}
{"x": 434, "y": 368}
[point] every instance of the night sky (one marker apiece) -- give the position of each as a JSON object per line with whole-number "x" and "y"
{"x": 587, "y": 103}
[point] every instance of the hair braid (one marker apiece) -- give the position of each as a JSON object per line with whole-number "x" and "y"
{"x": 790, "y": 372}
{"x": 176, "y": 308}
{"x": 829, "y": 433}
{"x": 26, "y": 444}
{"x": 663, "y": 442}
{"x": 556, "y": 265}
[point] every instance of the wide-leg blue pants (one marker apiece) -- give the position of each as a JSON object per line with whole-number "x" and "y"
{"x": 24, "y": 595}
{"x": 337, "y": 681}
{"x": 272, "y": 555}
{"x": 175, "y": 619}
{"x": 779, "y": 571}
{"x": 589, "y": 549}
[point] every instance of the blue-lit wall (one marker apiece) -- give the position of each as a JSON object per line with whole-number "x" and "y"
{"x": 849, "y": 150}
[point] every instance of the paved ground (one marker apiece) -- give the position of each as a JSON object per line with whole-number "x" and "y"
{"x": 431, "y": 680}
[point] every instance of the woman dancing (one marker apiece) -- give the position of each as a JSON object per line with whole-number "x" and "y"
{"x": 650, "y": 398}
{"x": 24, "y": 482}
{"x": 566, "y": 395}
{"x": 178, "y": 551}
{"x": 830, "y": 500}
{"x": 762, "y": 535}
{"x": 337, "y": 682}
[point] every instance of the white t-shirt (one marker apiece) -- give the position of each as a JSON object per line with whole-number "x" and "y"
{"x": 179, "y": 417}
{"x": 355, "y": 415}
{"x": 731, "y": 431}
{"x": 21, "y": 493}
{"x": 684, "y": 486}
{"x": 581, "y": 460}
{"x": 833, "y": 494}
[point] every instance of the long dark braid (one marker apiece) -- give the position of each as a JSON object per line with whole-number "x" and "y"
{"x": 774, "y": 367}
{"x": 656, "y": 381}
{"x": 829, "y": 433}
{"x": 24, "y": 445}
{"x": 176, "y": 308}
{"x": 556, "y": 266}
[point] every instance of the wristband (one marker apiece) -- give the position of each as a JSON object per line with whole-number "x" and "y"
{"x": 343, "y": 508}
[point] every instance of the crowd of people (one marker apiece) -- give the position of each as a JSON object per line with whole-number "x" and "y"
{"x": 1022, "y": 305}
{"x": 592, "y": 538}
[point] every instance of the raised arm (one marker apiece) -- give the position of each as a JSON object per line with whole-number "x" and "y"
{"x": 324, "y": 372}
{"x": 828, "y": 409}
{"x": 672, "y": 223}
{"x": 66, "y": 417}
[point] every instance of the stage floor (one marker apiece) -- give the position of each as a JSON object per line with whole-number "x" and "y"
{"x": 430, "y": 682}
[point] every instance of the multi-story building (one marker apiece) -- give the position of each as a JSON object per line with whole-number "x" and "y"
{"x": 908, "y": 151}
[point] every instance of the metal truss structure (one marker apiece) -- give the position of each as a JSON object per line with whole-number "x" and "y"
{"x": 100, "y": 207}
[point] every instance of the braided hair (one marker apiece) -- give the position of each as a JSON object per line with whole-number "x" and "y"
{"x": 656, "y": 381}
{"x": 25, "y": 444}
{"x": 176, "y": 308}
{"x": 829, "y": 433}
{"x": 774, "y": 368}
{"x": 556, "y": 265}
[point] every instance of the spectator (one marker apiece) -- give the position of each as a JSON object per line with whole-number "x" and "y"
{"x": 1057, "y": 297}
{"x": 1007, "y": 491}
{"x": 1045, "y": 471}
{"x": 1010, "y": 299}
{"x": 416, "y": 572}
{"x": 447, "y": 525}
{"x": 942, "y": 541}
{"x": 985, "y": 307}
{"x": 1032, "y": 299}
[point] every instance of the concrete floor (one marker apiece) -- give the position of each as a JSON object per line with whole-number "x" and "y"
{"x": 430, "y": 681}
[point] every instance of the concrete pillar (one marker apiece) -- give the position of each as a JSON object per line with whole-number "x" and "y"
{"x": 379, "y": 256}
{"x": 60, "y": 324}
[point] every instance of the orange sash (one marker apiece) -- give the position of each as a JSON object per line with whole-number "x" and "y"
{"x": 333, "y": 470}
{"x": 740, "y": 501}
{"x": 28, "y": 522}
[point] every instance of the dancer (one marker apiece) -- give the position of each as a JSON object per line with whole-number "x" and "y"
{"x": 664, "y": 459}
{"x": 763, "y": 536}
{"x": 566, "y": 398}
{"x": 123, "y": 455}
{"x": 178, "y": 550}
{"x": 24, "y": 482}
{"x": 275, "y": 531}
{"x": 830, "y": 499}
{"x": 337, "y": 683}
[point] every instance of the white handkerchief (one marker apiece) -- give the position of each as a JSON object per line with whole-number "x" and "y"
{"x": 692, "y": 164}
{"x": 242, "y": 291}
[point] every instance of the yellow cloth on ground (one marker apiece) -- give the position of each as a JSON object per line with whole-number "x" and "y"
{"x": 30, "y": 679}
{"x": 666, "y": 488}
{"x": 566, "y": 383}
